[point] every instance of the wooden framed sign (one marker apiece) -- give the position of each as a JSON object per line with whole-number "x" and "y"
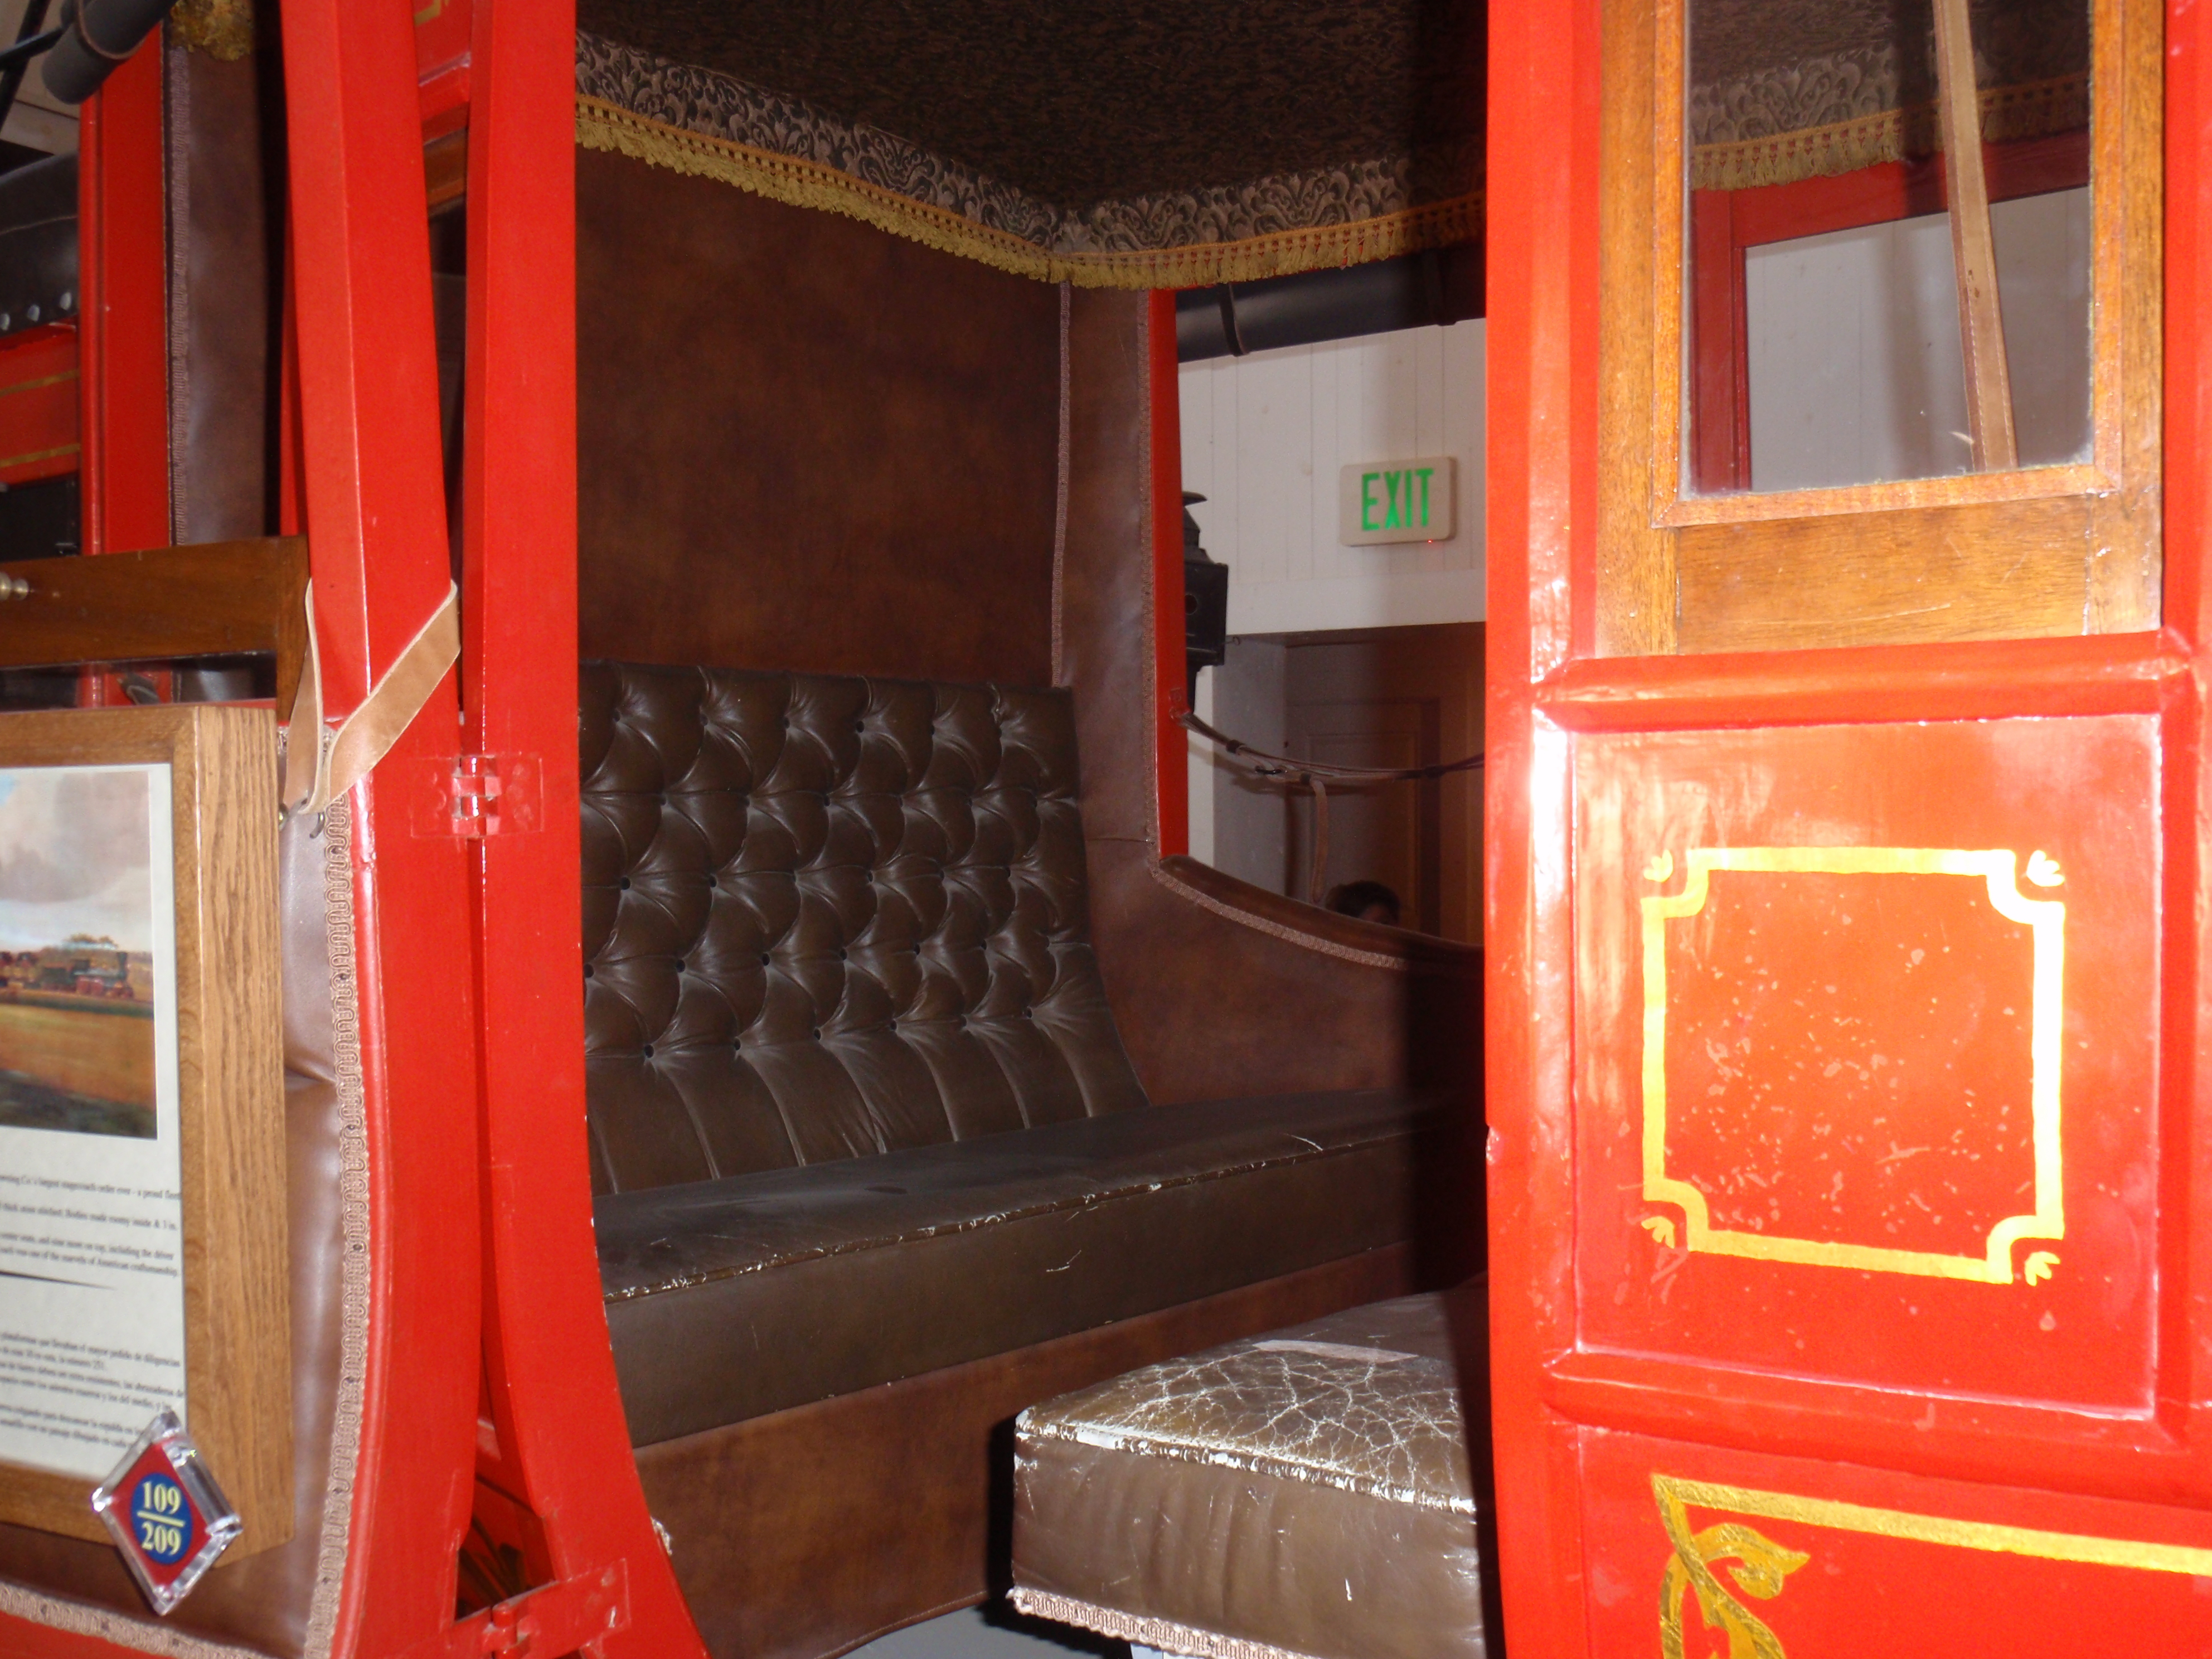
{"x": 143, "y": 1214}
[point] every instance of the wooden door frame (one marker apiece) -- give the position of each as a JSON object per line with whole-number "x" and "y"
{"x": 1547, "y": 684}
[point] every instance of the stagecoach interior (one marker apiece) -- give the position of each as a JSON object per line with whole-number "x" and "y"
{"x": 997, "y": 829}
{"x": 927, "y": 1075}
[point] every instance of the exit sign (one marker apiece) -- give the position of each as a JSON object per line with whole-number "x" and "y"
{"x": 1394, "y": 502}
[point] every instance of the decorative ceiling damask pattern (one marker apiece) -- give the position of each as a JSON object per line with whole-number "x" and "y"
{"x": 1787, "y": 89}
{"x": 1140, "y": 144}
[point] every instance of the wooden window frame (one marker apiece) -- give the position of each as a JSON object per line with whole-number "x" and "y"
{"x": 2031, "y": 552}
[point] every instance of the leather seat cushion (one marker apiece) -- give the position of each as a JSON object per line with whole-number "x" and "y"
{"x": 729, "y": 1299}
{"x": 1305, "y": 1492}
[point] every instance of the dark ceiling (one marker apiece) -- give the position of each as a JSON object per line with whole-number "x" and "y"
{"x": 1080, "y": 101}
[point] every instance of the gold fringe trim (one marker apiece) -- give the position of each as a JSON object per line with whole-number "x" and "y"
{"x": 220, "y": 28}
{"x": 2036, "y": 110}
{"x": 604, "y": 127}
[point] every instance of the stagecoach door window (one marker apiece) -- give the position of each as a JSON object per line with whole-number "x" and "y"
{"x": 1881, "y": 322}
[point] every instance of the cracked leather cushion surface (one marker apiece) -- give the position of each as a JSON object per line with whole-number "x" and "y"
{"x": 826, "y": 916}
{"x": 1309, "y": 1490}
{"x": 729, "y": 1299}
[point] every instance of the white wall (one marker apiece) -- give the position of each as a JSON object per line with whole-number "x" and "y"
{"x": 1262, "y": 438}
{"x": 1856, "y": 372}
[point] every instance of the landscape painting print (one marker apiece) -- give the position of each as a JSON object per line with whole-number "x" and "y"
{"x": 77, "y": 937}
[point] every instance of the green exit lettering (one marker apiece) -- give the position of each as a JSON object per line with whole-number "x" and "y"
{"x": 1398, "y": 499}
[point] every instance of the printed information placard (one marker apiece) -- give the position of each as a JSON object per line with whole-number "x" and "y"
{"x": 92, "y": 1307}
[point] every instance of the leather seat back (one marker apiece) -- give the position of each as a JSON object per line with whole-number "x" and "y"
{"x": 826, "y": 916}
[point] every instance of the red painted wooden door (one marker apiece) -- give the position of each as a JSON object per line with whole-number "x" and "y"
{"x": 1849, "y": 1071}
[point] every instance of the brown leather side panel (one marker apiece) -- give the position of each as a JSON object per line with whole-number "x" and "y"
{"x": 223, "y": 274}
{"x": 804, "y": 1534}
{"x": 805, "y": 443}
{"x": 1208, "y": 1004}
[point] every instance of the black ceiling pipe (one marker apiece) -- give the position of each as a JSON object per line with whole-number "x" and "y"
{"x": 97, "y": 36}
{"x": 1444, "y": 285}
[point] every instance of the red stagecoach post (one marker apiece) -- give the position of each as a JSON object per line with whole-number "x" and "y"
{"x": 123, "y": 310}
{"x": 375, "y": 518}
{"x": 562, "y": 1446}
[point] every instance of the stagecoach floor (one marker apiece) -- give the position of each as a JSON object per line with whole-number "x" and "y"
{"x": 990, "y": 1632}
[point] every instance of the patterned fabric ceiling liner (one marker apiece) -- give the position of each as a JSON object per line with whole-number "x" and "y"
{"x": 699, "y": 121}
{"x": 1783, "y": 91}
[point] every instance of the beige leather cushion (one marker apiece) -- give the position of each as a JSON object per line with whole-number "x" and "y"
{"x": 1308, "y": 1491}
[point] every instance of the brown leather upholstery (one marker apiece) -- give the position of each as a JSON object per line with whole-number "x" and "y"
{"x": 1306, "y": 1492}
{"x": 826, "y": 916}
{"x": 805, "y": 443}
{"x": 732, "y": 1298}
{"x": 223, "y": 278}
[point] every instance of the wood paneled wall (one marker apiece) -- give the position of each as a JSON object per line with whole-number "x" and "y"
{"x": 805, "y": 443}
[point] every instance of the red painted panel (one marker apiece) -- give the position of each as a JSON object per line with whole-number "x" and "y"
{"x": 1802, "y": 1558}
{"x": 123, "y": 264}
{"x": 1842, "y": 1066}
{"x": 40, "y": 404}
{"x": 1565, "y": 1362}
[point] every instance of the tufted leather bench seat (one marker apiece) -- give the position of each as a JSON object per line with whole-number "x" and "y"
{"x": 858, "y": 1106}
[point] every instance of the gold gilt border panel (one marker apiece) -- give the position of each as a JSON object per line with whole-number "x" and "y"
{"x": 2000, "y": 870}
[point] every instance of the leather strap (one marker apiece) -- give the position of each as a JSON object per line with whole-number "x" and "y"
{"x": 318, "y": 772}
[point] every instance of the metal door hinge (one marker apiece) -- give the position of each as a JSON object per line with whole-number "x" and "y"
{"x": 569, "y": 1617}
{"x": 479, "y": 795}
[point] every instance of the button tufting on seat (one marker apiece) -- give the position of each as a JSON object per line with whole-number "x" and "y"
{"x": 950, "y": 835}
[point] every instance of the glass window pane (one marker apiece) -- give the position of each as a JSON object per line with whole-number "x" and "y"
{"x": 1828, "y": 342}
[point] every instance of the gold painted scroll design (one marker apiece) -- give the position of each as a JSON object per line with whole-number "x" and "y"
{"x": 1762, "y": 1565}
{"x": 2046, "y": 918}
